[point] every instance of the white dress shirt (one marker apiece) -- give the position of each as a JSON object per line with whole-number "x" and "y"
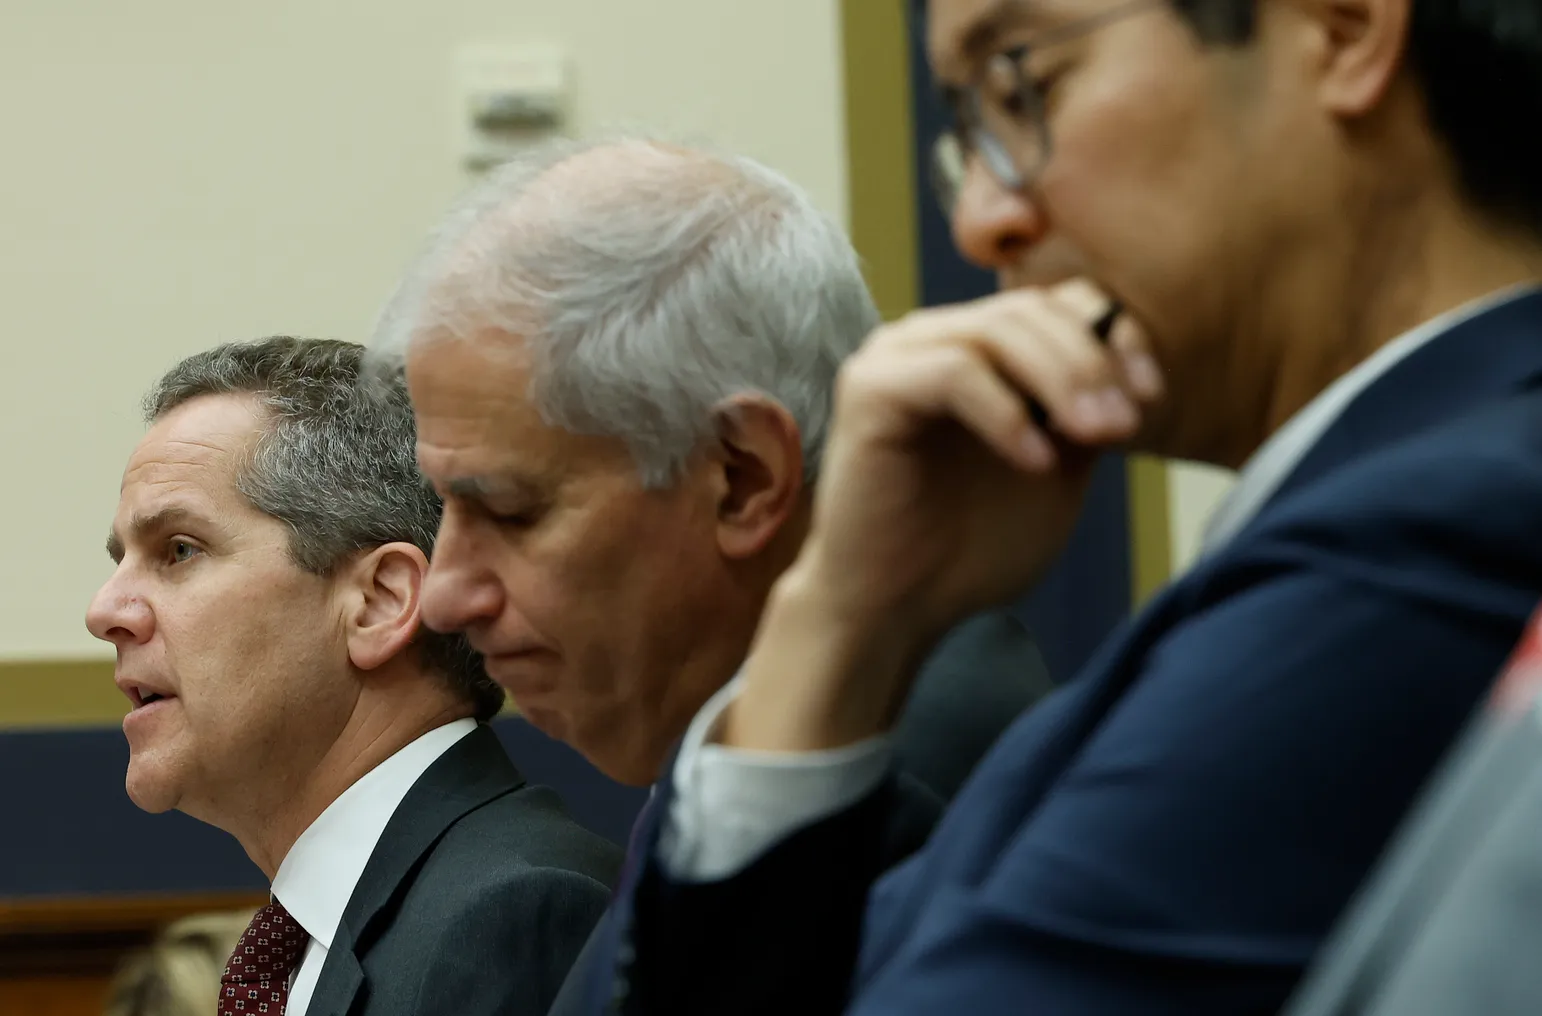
{"x": 732, "y": 805}
{"x": 318, "y": 875}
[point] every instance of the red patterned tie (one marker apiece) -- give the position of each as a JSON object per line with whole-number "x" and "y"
{"x": 256, "y": 980}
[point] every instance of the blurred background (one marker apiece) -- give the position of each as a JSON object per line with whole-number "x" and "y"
{"x": 178, "y": 174}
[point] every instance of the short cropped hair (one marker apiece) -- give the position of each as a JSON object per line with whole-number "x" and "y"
{"x": 337, "y": 465}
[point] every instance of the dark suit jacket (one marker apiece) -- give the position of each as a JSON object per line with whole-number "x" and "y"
{"x": 1176, "y": 830}
{"x": 1452, "y": 923}
{"x": 978, "y": 680}
{"x": 476, "y": 900}
{"x": 985, "y": 674}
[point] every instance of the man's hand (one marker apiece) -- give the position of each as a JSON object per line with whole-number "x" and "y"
{"x": 939, "y": 496}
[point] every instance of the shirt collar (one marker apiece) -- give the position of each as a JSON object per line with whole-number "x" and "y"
{"x": 1272, "y": 464}
{"x": 318, "y": 875}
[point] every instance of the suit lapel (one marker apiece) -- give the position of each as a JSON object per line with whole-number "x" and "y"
{"x": 340, "y": 981}
{"x": 474, "y": 771}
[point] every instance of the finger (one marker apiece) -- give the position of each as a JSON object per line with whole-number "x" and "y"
{"x": 994, "y": 411}
{"x": 1132, "y": 349}
{"x": 1046, "y": 370}
{"x": 1044, "y": 346}
{"x": 1081, "y": 297}
{"x": 1071, "y": 372}
{"x": 957, "y": 382}
{"x": 1138, "y": 368}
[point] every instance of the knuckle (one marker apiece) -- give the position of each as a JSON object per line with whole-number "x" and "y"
{"x": 952, "y": 364}
{"x": 849, "y": 377}
{"x": 862, "y": 375}
{"x": 1091, "y": 372}
{"x": 913, "y": 325}
{"x": 1023, "y": 305}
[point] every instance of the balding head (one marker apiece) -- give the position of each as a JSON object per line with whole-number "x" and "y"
{"x": 649, "y": 284}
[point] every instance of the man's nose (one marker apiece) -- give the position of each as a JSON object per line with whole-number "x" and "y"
{"x": 461, "y": 590}
{"x": 993, "y": 226}
{"x": 117, "y": 615}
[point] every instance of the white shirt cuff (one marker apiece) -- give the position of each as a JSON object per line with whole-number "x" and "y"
{"x": 731, "y": 805}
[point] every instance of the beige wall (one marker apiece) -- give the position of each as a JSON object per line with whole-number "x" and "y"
{"x": 179, "y": 172}
{"x": 1193, "y": 492}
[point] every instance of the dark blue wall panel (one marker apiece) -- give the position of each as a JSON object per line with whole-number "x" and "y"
{"x": 67, "y": 828}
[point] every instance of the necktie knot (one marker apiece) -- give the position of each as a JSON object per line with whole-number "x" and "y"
{"x": 256, "y": 980}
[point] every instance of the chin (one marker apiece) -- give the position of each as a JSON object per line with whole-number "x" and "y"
{"x": 622, "y": 760}
{"x": 150, "y": 787}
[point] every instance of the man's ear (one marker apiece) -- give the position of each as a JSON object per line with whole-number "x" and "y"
{"x": 387, "y": 603}
{"x": 760, "y": 454}
{"x": 1361, "y": 46}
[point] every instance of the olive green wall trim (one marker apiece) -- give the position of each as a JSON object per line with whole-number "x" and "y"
{"x": 59, "y": 693}
{"x": 880, "y": 178}
{"x": 1151, "y": 557}
{"x": 41, "y": 694}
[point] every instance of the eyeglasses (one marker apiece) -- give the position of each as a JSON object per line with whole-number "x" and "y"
{"x": 1000, "y": 117}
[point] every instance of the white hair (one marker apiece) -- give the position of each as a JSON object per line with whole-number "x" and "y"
{"x": 648, "y": 297}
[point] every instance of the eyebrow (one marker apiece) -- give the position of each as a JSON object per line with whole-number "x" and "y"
{"x": 482, "y": 487}
{"x": 142, "y": 526}
{"x": 982, "y": 35}
{"x": 977, "y": 41}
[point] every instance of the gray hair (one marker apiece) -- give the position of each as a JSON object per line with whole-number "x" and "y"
{"x": 646, "y": 301}
{"x": 336, "y": 464}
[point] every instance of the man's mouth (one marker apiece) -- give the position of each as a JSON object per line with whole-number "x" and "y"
{"x": 141, "y": 697}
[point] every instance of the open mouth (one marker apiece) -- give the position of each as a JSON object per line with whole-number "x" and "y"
{"x": 141, "y": 697}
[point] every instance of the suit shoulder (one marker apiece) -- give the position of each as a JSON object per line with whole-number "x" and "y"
{"x": 486, "y": 926}
{"x": 510, "y": 870}
{"x": 525, "y": 832}
{"x": 1448, "y": 513}
{"x": 1446, "y": 470}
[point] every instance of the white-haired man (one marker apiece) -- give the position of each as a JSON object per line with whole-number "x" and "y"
{"x": 621, "y": 356}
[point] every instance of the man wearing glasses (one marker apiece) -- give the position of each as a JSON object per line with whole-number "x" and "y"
{"x": 1320, "y": 222}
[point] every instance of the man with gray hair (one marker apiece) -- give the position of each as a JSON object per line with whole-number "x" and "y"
{"x": 270, "y": 544}
{"x": 621, "y": 355}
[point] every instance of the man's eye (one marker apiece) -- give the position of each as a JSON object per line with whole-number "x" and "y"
{"x": 1044, "y": 84}
{"x": 181, "y": 550}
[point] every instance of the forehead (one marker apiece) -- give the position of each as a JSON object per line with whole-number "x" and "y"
{"x": 475, "y": 417}
{"x": 191, "y": 454}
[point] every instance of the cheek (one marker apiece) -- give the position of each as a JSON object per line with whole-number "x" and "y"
{"x": 1138, "y": 149}
{"x": 1147, "y": 204}
{"x": 613, "y": 590}
{"x": 244, "y": 668}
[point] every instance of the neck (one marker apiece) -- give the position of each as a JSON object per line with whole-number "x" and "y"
{"x": 378, "y": 728}
{"x": 1408, "y": 264}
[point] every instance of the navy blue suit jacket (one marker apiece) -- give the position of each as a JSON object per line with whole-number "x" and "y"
{"x": 1177, "y": 829}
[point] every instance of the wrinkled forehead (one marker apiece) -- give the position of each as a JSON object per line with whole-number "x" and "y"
{"x": 183, "y": 475}
{"x": 196, "y": 449}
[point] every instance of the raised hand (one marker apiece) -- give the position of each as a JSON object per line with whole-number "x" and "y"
{"x": 939, "y": 495}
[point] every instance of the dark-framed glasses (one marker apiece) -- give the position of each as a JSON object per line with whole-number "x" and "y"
{"x": 1000, "y": 117}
